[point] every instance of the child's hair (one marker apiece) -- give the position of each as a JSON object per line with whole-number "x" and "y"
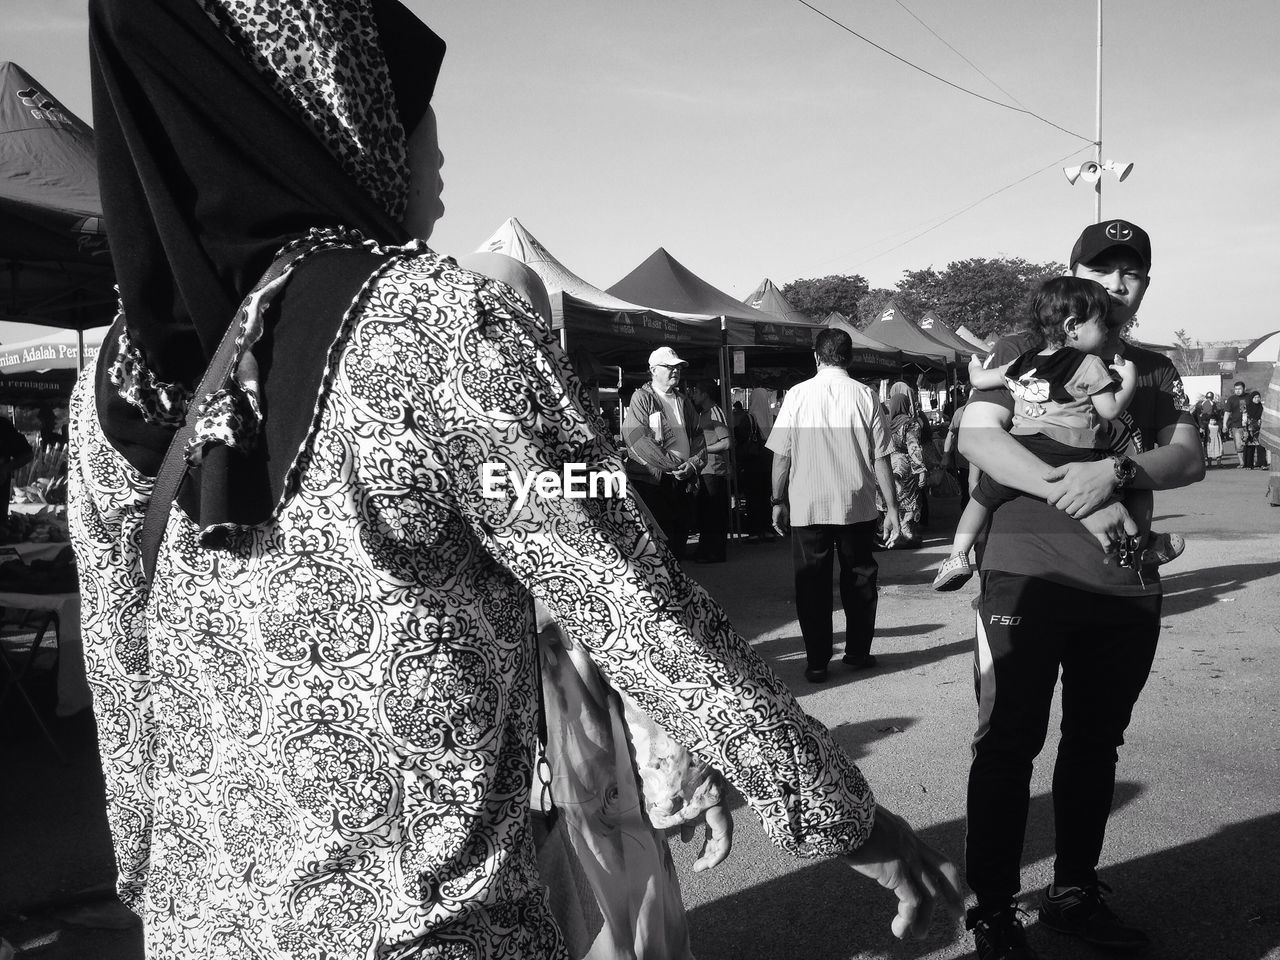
{"x": 1063, "y": 297}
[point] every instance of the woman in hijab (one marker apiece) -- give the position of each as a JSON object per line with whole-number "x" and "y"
{"x": 1255, "y": 454}
{"x": 930, "y": 456}
{"x": 315, "y": 689}
{"x": 908, "y": 463}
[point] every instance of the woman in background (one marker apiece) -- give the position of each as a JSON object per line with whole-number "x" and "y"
{"x": 1255, "y": 454}
{"x": 909, "y": 471}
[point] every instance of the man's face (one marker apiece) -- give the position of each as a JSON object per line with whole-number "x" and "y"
{"x": 666, "y": 377}
{"x": 699, "y": 397}
{"x": 1239, "y": 390}
{"x": 1123, "y": 276}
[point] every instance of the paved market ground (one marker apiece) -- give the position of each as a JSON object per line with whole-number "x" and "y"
{"x": 1193, "y": 850}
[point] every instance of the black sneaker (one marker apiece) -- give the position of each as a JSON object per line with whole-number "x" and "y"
{"x": 1082, "y": 912}
{"x": 998, "y": 934}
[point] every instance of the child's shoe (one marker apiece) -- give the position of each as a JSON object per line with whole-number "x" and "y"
{"x": 953, "y": 574}
{"x": 1162, "y": 548}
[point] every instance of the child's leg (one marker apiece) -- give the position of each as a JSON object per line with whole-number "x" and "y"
{"x": 1141, "y": 505}
{"x": 956, "y": 569}
{"x": 972, "y": 520}
{"x": 1158, "y": 548}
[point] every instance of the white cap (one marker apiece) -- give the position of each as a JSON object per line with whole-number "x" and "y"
{"x": 665, "y": 357}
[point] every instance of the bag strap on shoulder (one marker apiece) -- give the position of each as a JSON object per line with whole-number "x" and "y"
{"x": 173, "y": 469}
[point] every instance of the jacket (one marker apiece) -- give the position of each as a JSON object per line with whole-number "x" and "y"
{"x": 646, "y": 460}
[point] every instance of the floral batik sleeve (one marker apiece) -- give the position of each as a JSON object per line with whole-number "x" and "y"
{"x": 508, "y": 406}
{"x": 106, "y": 503}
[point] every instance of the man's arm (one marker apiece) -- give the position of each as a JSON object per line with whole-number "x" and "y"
{"x": 720, "y": 437}
{"x": 985, "y": 442}
{"x": 781, "y": 479}
{"x": 640, "y": 443}
{"x": 1177, "y": 461}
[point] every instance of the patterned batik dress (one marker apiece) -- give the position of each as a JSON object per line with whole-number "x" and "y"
{"x": 318, "y": 741}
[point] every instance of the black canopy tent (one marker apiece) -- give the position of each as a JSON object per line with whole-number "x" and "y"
{"x": 663, "y": 282}
{"x": 892, "y": 359}
{"x": 54, "y": 265}
{"x": 936, "y": 328}
{"x": 597, "y": 328}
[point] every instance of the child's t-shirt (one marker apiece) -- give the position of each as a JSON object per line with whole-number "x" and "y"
{"x": 1051, "y": 395}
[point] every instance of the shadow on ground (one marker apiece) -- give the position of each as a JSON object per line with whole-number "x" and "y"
{"x": 60, "y": 903}
{"x": 1211, "y": 897}
{"x": 1200, "y": 588}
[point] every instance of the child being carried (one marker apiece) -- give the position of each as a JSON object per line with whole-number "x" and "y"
{"x": 1068, "y": 408}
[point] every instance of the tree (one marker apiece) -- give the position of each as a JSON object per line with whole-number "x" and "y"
{"x": 990, "y": 297}
{"x": 819, "y": 297}
{"x": 1186, "y": 357}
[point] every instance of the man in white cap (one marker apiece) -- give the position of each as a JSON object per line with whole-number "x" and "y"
{"x": 665, "y": 447}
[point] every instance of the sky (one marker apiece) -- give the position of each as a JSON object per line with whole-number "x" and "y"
{"x": 755, "y": 138}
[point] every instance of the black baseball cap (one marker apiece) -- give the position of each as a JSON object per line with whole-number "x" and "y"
{"x": 1097, "y": 238}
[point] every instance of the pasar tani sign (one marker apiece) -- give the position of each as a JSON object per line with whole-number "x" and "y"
{"x": 44, "y": 356}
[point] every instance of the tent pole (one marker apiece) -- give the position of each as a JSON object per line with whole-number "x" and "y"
{"x": 79, "y": 349}
{"x": 726, "y": 404}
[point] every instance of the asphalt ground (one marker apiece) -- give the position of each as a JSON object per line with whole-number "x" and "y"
{"x": 1193, "y": 850}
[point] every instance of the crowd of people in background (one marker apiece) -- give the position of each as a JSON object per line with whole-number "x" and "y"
{"x": 1238, "y": 419}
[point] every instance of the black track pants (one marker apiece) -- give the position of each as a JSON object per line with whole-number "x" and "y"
{"x": 1027, "y": 629}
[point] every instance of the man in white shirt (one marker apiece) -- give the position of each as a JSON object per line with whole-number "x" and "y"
{"x": 830, "y": 448}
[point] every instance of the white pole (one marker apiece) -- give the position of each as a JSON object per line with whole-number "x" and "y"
{"x": 1097, "y": 144}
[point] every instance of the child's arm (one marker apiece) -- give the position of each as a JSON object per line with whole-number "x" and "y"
{"x": 986, "y": 378}
{"x": 1111, "y": 403}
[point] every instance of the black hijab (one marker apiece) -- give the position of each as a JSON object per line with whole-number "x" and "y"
{"x": 207, "y": 168}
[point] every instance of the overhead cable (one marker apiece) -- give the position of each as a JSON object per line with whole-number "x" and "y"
{"x": 966, "y": 209}
{"x": 972, "y": 93}
{"x": 944, "y": 42}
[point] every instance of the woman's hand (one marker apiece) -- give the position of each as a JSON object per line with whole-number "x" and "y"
{"x": 921, "y": 877}
{"x": 717, "y": 837}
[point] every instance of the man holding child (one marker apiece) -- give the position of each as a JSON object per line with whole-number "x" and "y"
{"x": 1050, "y": 599}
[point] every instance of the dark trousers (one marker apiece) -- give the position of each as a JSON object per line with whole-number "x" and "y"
{"x": 754, "y": 487}
{"x": 671, "y": 503}
{"x": 713, "y": 516}
{"x": 813, "y": 552}
{"x": 1027, "y": 629}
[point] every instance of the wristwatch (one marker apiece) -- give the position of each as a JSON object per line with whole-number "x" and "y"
{"x": 1125, "y": 469}
{"x": 777, "y": 501}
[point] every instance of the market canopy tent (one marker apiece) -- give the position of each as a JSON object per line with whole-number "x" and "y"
{"x": 54, "y": 266}
{"x": 933, "y": 325}
{"x": 867, "y": 354}
{"x": 894, "y": 328}
{"x": 597, "y": 324}
{"x": 794, "y": 328}
{"x": 661, "y": 281}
